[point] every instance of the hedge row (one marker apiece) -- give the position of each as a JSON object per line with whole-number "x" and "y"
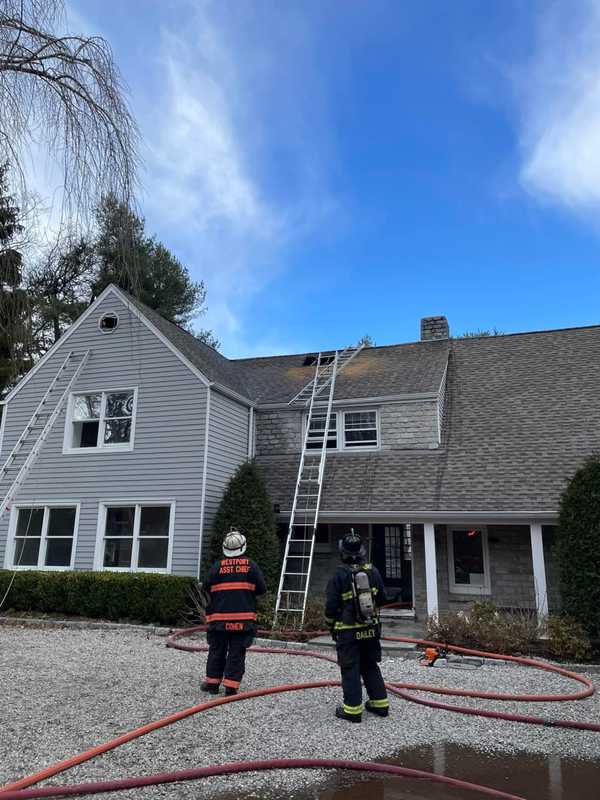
{"x": 132, "y": 597}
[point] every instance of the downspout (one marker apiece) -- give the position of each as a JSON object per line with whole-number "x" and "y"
{"x": 250, "y": 433}
{"x": 204, "y": 474}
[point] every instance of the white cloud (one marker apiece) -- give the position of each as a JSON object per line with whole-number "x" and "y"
{"x": 559, "y": 102}
{"x": 213, "y": 192}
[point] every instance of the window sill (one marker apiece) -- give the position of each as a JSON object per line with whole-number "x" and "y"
{"x": 135, "y": 571}
{"x": 24, "y": 568}
{"x": 478, "y": 590}
{"x": 117, "y": 448}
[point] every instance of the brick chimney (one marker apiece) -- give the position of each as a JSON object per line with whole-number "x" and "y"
{"x": 434, "y": 328}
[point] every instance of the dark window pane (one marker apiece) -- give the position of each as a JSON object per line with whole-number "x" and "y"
{"x": 85, "y": 434}
{"x": 26, "y": 552}
{"x": 361, "y": 419}
{"x": 61, "y": 522}
{"x": 119, "y": 521}
{"x": 117, "y": 431}
{"x": 119, "y": 404}
{"x": 317, "y": 431}
{"x": 155, "y": 521}
{"x": 58, "y": 552}
{"x": 361, "y": 438}
{"x": 30, "y": 521}
{"x": 468, "y": 558}
{"x": 117, "y": 552}
{"x": 153, "y": 553}
{"x": 322, "y": 534}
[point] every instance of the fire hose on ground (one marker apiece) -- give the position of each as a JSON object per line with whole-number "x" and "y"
{"x": 20, "y": 789}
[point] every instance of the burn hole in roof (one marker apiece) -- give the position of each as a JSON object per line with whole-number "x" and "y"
{"x": 311, "y": 360}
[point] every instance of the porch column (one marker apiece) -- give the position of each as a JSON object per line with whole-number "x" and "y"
{"x": 430, "y": 569}
{"x": 539, "y": 570}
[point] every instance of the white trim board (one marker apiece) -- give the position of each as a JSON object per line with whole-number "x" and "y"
{"x": 204, "y": 473}
{"x": 490, "y": 517}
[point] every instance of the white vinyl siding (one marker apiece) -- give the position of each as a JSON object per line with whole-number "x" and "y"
{"x": 167, "y": 458}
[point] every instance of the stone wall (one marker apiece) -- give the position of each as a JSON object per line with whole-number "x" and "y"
{"x": 409, "y": 425}
{"x": 278, "y": 431}
{"x": 404, "y": 426}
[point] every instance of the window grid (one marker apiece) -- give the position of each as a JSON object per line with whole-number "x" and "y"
{"x": 25, "y": 534}
{"x": 136, "y": 538}
{"x": 74, "y": 435}
{"x": 361, "y": 425}
{"x": 360, "y": 429}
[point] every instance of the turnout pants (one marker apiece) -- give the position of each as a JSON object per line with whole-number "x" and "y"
{"x": 227, "y": 656}
{"x": 359, "y": 658}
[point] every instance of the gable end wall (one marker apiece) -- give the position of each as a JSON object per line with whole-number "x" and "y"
{"x": 166, "y": 462}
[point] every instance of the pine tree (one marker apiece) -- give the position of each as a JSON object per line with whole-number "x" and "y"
{"x": 246, "y": 507}
{"x": 14, "y": 332}
{"x": 577, "y": 549}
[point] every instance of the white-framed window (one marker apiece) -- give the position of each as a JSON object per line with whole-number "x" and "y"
{"x": 135, "y": 536}
{"x": 469, "y": 560}
{"x": 348, "y": 430}
{"x": 101, "y": 421}
{"x": 360, "y": 429}
{"x": 43, "y": 536}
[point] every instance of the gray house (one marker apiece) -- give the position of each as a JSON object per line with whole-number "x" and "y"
{"x": 449, "y": 456}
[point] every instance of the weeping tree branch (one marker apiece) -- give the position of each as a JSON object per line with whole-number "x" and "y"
{"x": 64, "y": 93}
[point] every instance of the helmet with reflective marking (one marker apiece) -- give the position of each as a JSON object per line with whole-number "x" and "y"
{"x": 234, "y": 544}
{"x": 352, "y": 549}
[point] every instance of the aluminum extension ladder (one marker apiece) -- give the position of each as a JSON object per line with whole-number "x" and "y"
{"x": 299, "y": 549}
{"x": 27, "y": 447}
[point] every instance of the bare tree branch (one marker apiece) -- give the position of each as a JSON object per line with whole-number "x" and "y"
{"x": 64, "y": 92}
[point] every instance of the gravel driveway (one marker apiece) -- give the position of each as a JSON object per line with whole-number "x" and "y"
{"x": 66, "y": 690}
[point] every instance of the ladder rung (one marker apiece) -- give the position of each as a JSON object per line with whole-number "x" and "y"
{"x": 299, "y": 540}
{"x": 296, "y": 574}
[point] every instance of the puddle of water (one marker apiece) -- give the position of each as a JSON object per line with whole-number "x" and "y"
{"x": 533, "y": 777}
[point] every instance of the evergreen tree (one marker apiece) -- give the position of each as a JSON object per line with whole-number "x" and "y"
{"x": 577, "y": 549}
{"x": 14, "y": 307}
{"x": 246, "y": 507}
{"x": 59, "y": 288}
{"x": 142, "y": 266}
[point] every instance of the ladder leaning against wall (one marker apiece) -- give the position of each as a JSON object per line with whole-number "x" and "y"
{"x": 299, "y": 549}
{"x": 27, "y": 447}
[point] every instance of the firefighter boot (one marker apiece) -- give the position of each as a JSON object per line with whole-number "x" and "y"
{"x": 341, "y": 714}
{"x": 210, "y": 687}
{"x": 379, "y": 707}
{"x": 229, "y": 690}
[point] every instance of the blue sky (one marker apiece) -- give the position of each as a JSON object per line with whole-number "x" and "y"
{"x": 338, "y": 167}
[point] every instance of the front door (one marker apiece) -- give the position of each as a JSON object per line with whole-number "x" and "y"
{"x": 391, "y": 553}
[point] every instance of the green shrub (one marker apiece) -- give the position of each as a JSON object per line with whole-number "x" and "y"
{"x": 135, "y": 597}
{"x": 486, "y": 628}
{"x": 577, "y": 548}
{"x": 247, "y": 507}
{"x": 567, "y": 640}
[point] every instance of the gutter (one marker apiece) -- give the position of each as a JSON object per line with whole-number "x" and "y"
{"x": 526, "y": 517}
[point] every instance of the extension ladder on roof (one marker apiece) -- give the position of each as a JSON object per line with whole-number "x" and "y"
{"x": 299, "y": 548}
{"x": 27, "y": 447}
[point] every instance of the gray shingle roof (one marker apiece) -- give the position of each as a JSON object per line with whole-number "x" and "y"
{"x": 523, "y": 412}
{"x": 375, "y": 371}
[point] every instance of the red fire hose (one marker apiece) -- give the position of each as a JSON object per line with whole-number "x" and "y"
{"x": 18, "y": 789}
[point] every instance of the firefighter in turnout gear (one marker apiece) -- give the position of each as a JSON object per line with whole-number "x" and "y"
{"x": 354, "y": 594}
{"x": 233, "y": 584}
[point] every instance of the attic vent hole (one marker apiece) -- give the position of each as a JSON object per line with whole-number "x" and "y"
{"x": 108, "y": 322}
{"x": 311, "y": 361}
